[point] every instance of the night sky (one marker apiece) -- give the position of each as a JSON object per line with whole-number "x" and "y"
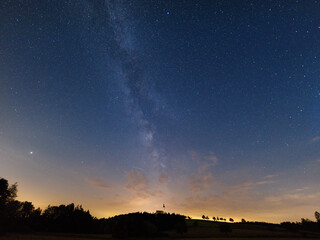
{"x": 211, "y": 107}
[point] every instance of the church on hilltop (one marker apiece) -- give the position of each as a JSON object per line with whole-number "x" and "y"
{"x": 161, "y": 211}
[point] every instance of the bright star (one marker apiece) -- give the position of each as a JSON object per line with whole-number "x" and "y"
{"x": 31, "y": 152}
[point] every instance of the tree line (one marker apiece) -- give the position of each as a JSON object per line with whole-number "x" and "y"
{"x": 16, "y": 216}
{"x": 304, "y": 225}
{"x": 204, "y": 217}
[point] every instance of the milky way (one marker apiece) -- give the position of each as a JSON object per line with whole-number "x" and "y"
{"x": 141, "y": 100}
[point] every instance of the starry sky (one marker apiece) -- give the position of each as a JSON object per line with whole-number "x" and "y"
{"x": 211, "y": 107}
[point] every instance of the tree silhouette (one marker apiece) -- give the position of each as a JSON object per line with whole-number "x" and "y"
{"x": 26, "y": 209}
{"x": 231, "y": 220}
{"x": 317, "y": 216}
{"x": 8, "y": 206}
{"x": 214, "y": 218}
{"x": 203, "y": 217}
{"x": 7, "y": 193}
{"x": 68, "y": 218}
{"x": 243, "y": 220}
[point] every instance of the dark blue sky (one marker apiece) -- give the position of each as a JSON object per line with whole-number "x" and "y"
{"x": 135, "y": 103}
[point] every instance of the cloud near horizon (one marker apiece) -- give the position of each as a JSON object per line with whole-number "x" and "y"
{"x": 137, "y": 183}
{"x": 203, "y": 180}
{"x": 140, "y": 187}
{"x": 200, "y": 183}
{"x": 99, "y": 183}
{"x": 247, "y": 200}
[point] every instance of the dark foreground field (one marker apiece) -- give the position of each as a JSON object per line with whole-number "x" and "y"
{"x": 197, "y": 229}
{"x": 207, "y": 229}
{"x": 100, "y": 237}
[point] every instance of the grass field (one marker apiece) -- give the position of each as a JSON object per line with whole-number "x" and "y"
{"x": 197, "y": 229}
{"x": 55, "y": 236}
{"x": 100, "y": 237}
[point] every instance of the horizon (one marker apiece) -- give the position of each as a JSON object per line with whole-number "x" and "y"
{"x": 236, "y": 219}
{"x": 209, "y": 107}
{"x": 226, "y": 218}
